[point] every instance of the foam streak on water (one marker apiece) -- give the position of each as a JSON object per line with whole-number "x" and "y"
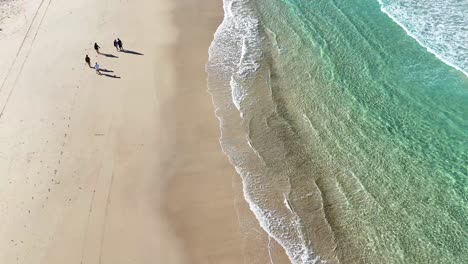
{"x": 439, "y": 26}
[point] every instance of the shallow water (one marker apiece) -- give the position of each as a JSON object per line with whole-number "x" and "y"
{"x": 351, "y": 138}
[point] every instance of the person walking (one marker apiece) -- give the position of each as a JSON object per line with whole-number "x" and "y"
{"x": 96, "y": 48}
{"x": 119, "y": 42}
{"x": 116, "y": 44}
{"x": 88, "y": 60}
{"x": 96, "y": 67}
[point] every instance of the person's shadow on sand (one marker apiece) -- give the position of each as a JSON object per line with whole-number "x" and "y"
{"x": 110, "y": 76}
{"x": 102, "y": 73}
{"x": 108, "y": 55}
{"x": 132, "y": 52}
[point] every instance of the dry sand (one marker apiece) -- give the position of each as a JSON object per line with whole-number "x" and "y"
{"x": 98, "y": 169}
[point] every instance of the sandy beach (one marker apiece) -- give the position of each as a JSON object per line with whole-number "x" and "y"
{"x": 123, "y": 167}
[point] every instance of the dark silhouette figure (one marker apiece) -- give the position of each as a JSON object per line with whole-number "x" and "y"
{"x": 119, "y": 42}
{"x": 96, "y": 48}
{"x": 116, "y": 44}
{"x": 88, "y": 60}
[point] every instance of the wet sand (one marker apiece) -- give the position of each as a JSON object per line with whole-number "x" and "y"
{"x": 123, "y": 167}
{"x": 206, "y": 202}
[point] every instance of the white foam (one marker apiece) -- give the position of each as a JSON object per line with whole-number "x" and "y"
{"x": 439, "y": 26}
{"x": 235, "y": 56}
{"x": 286, "y": 203}
{"x": 237, "y": 94}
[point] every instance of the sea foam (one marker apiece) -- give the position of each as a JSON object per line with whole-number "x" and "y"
{"x": 235, "y": 64}
{"x": 439, "y": 26}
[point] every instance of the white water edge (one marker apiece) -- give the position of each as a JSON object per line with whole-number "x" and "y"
{"x": 235, "y": 63}
{"x": 448, "y": 43}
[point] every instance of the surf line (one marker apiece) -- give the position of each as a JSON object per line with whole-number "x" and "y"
{"x": 438, "y": 56}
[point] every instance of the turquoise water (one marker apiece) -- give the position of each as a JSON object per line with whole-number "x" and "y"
{"x": 350, "y": 135}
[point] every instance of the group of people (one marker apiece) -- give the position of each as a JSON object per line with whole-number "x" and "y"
{"x": 117, "y": 44}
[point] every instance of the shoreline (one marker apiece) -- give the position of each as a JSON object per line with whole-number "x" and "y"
{"x": 253, "y": 137}
{"x": 220, "y": 226}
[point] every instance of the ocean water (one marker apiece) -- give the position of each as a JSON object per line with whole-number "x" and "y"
{"x": 348, "y": 123}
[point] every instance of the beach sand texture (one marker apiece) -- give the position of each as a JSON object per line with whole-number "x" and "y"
{"x": 124, "y": 167}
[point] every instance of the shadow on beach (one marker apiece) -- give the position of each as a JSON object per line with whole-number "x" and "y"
{"x": 109, "y": 55}
{"x": 132, "y": 52}
{"x": 110, "y": 76}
